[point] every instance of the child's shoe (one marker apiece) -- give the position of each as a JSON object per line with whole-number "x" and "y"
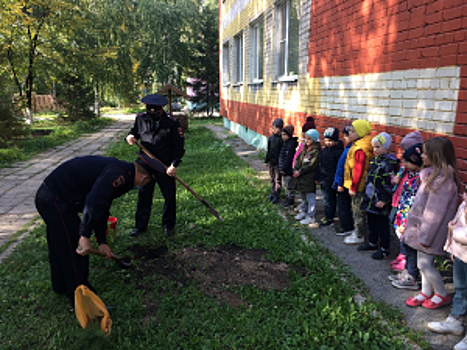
{"x": 462, "y": 345}
{"x": 354, "y": 239}
{"x": 398, "y": 259}
{"x": 406, "y": 282}
{"x": 398, "y": 276}
{"x": 450, "y": 325}
{"x": 300, "y": 216}
{"x": 307, "y": 221}
{"x": 380, "y": 254}
{"x": 437, "y": 301}
{"x": 417, "y": 300}
{"x": 399, "y": 267}
{"x": 325, "y": 222}
{"x": 275, "y": 200}
{"x": 341, "y": 232}
{"x": 270, "y": 197}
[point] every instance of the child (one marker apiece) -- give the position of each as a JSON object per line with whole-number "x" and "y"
{"x": 285, "y": 163}
{"x": 427, "y": 224}
{"x": 304, "y": 174}
{"x": 456, "y": 244}
{"x": 356, "y": 167}
{"x": 378, "y": 194}
{"x": 409, "y": 140}
{"x": 344, "y": 202}
{"x": 408, "y": 279}
{"x": 328, "y": 159}
{"x": 309, "y": 124}
{"x": 272, "y": 159}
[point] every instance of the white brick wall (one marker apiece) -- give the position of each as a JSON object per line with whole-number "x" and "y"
{"x": 425, "y": 99}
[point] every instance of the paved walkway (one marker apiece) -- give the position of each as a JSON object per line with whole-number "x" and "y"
{"x": 20, "y": 181}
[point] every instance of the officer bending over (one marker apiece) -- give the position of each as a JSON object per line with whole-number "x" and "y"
{"x": 87, "y": 185}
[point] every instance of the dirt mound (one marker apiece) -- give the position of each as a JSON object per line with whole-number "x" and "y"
{"x": 216, "y": 270}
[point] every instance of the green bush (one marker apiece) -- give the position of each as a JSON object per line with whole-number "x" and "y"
{"x": 75, "y": 95}
{"x": 12, "y": 124}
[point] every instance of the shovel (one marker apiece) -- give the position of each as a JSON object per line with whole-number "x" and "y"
{"x": 124, "y": 262}
{"x": 162, "y": 169}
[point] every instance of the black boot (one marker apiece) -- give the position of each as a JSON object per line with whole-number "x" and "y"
{"x": 136, "y": 232}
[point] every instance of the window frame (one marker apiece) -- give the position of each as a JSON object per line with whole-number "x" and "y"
{"x": 283, "y": 40}
{"x": 238, "y": 58}
{"x": 226, "y": 63}
{"x": 257, "y": 50}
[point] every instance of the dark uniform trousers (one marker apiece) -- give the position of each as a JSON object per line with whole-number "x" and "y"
{"x": 68, "y": 269}
{"x": 145, "y": 196}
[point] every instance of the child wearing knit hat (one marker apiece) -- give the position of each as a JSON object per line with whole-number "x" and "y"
{"x": 304, "y": 174}
{"x": 412, "y": 138}
{"x": 355, "y": 170}
{"x": 272, "y": 159}
{"x": 328, "y": 159}
{"x": 285, "y": 163}
{"x": 377, "y": 196}
{"x": 407, "y": 259}
{"x": 309, "y": 124}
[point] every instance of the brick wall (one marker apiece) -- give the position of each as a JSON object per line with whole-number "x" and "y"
{"x": 401, "y": 64}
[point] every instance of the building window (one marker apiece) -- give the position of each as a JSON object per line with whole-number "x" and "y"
{"x": 238, "y": 58}
{"x": 287, "y": 34}
{"x": 256, "y": 51}
{"x": 225, "y": 63}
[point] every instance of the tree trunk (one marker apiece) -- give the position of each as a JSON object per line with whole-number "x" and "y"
{"x": 97, "y": 110}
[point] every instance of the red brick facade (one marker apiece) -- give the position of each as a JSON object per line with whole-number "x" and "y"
{"x": 359, "y": 37}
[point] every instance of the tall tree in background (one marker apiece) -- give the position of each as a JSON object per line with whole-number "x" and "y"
{"x": 118, "y": 47}
{"x": 204, "y": 67}
{"x": 166, "y": 30}
{"x": 23, "y": 26}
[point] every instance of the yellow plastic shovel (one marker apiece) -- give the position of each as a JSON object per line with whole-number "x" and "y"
{"x": 88, "y": 306}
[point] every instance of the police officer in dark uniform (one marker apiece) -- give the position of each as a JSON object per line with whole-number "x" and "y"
{"x": 88, "y": 185}
{"x": 162, "y": 135}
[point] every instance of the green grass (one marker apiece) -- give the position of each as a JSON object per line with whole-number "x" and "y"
{"x": 30, "y": 145}
{"x": 125, "y": 110}
{"x": 316, "y": 312}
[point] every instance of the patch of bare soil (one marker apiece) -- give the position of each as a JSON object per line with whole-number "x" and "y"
{"x": 216, "y": 270}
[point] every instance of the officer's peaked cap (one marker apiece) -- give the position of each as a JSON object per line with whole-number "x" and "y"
{"x": 155, "y": 99}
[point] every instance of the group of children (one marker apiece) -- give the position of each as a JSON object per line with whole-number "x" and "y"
{"x": 373, "y": 193}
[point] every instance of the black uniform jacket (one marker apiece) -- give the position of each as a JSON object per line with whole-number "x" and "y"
{"x": 163, "y": 138}
{"x": 274, "y": 148}
{"x": 286, "y": 156}
{"x": 90, "y": 184}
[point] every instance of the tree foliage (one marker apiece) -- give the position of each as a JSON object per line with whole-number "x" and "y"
{"x": 112, "y": 48}
{"x": 205, "y": 65}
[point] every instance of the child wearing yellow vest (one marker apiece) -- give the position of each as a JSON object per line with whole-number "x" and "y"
{"x": 355, "y": 171}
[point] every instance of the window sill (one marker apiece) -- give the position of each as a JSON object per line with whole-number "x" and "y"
{"x": 226, "y": 84}
{"x": 256, "y": 82}
{"x": 286, "y": 78}
{"x": 237, "y": 84}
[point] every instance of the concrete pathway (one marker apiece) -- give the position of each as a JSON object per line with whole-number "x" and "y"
{"x": 20, "y": 181}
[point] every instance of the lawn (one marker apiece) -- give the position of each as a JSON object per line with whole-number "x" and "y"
{"x": 46, "y": 132}
{"x": 160, "y": 304}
